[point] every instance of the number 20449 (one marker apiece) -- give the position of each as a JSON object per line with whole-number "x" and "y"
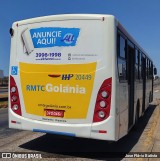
{"x": 83, "y": 77}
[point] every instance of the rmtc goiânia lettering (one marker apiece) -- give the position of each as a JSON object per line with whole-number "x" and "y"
{"x": 56, "y": 88}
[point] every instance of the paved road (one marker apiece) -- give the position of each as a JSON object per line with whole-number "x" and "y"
{"x": 4, "y": 117}
{"x": 143, "y": 138}
{"x": 4, "y": 130}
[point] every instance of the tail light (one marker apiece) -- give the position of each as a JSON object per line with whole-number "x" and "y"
{"x": 103, "y": 101}
{"x": 14, "y": 97}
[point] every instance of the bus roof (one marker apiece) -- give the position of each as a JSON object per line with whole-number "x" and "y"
{"x": 62, "y": 17}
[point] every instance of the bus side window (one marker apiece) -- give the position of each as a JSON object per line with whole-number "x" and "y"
{"x": 136, "y": 64}
{"x": 121, "y": 47}
{"x": 150, "y": 71}
{"x": 140, "y": 65}
{"x": 147, "y": 66}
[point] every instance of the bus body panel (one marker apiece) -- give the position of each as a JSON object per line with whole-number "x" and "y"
{"x": 110, "y": 125}
{"x": 58, "y": 65}
{"x": 142, "y": 79}
{"x": 38, "y": 81}
{"x": 59, "y": 87}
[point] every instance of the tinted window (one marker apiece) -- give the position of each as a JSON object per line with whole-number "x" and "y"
{"x": 136, "y": 64}
{"x": 122, "y": 69}
{"x": 121, "y": 58}
{"x": 137, "y": 56}
{"x": 122, "y": 47}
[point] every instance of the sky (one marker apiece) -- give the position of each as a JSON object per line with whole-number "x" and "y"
{"x": 141, "y": 18}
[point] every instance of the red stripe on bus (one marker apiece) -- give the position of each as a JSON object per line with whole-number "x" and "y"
{"x": 13, "y": 122}
{"x": 102, "y": 131}
{"x": 54, "y": 75}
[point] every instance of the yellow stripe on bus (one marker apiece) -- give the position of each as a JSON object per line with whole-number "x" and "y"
{"x": 70, "y": 91}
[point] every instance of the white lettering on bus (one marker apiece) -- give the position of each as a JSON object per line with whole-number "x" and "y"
{"x": 65, "y": 89}
{"x": 58, "y": 88}
{"x": 47, "y": 34}
{"x": 46, "y": 41}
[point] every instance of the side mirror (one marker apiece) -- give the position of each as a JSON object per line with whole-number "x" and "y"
{"x": 11, "y": 31}
{"x": 155, "y": 71}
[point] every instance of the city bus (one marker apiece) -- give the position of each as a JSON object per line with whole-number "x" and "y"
{"x": 80, "y": 75}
